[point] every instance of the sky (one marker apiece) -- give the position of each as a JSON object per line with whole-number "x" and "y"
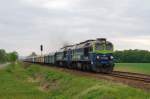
{"x": 26, "y": 24}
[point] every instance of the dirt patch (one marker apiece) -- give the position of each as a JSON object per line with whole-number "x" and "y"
{"x": 30, "y": 79}
{"x": 49, "y": 85}
{"x": 44, "y": 84}
{"x": 3, "y": 65}
{"x": 25, "y": 64}
{"x": 36, "y": 78}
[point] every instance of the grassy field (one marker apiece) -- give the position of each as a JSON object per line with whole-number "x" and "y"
{"x": 19, "y": 81}
{"x": 134, "y": 67}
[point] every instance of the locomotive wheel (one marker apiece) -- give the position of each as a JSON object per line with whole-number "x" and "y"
{"x": 95, "y": 69}
{"x": 83, "y": 67}
{"x": 88, "y": 67}
{"x": 79, "y": 66}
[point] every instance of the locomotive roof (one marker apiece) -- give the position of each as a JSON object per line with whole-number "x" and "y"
{"x": 84, "y": 44}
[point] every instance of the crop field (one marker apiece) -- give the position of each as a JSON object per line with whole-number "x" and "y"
{"x": 133, "y": 67}
{"x": 22, "y": 81}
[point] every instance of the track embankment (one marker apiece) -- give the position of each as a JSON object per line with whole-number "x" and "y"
{"x": 141, "y": 81}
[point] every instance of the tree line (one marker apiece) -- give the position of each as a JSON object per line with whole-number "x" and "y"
{"x": 125, "y": 56}
{"x": 8, "y": 57}
{"x": 132, "y": 56}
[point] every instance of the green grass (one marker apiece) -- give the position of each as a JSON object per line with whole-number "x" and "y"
{"x": 14, "y": 86}
{"x": 134, "y": 67}
{"x": 36, "y": 82}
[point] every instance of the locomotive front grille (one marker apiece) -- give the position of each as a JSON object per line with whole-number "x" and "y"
{"x": 104, "y": 58}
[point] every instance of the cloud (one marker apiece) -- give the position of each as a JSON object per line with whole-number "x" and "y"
{"x": 25, "y": 24}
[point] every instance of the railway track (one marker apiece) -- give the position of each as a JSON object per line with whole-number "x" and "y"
{"x": 133, "y": 76}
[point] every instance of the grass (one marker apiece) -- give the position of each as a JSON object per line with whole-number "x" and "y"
{"x": 19, "y": 81}
{"x": 134, "y": 67}
{"x": 13, "y": 85}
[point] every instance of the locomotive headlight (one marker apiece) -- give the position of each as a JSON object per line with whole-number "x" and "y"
{"x": 111, "y": 57}
{"x": 98, "y": 57}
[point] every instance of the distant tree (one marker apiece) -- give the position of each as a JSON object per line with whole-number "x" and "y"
{"x": 132, "y": 56}
{"x": 3, "y": 56}
{"x": 32, "y": 54}
{"x": 13, "y": 56}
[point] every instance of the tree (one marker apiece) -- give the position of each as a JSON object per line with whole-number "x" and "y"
{"x": 32, "y": 54}
{"x": 3, "y": 57}
{"x": 13, "y": 56}
{"x": 132, "y": 56}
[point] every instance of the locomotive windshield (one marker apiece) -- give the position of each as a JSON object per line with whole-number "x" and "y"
{"x": 109, "y": 46}
{"x": 103, "y": 46}
{"x": 100, "y": 46}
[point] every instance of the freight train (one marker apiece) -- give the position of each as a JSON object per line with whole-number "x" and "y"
{"x": 91, "y": 55}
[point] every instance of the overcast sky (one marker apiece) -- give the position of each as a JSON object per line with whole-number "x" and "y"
{"x": 25, "y": 24}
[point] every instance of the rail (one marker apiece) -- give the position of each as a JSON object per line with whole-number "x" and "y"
{"x": 133, "y": 76}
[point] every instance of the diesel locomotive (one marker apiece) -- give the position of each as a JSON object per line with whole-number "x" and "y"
{"x": 91, "y": 55}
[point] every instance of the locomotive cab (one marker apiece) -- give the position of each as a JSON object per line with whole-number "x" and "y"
{"x": 102, "y": 56}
